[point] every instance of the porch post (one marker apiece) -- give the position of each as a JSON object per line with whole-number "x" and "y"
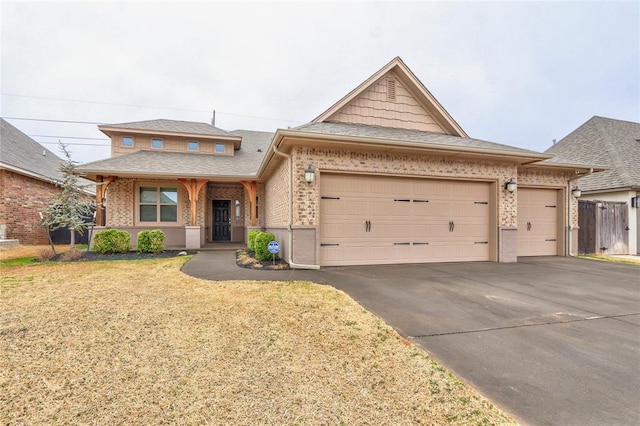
{"x": 193, "y": 187}
{"x": 252, "y": 189}
{"x": 101, "y": 190}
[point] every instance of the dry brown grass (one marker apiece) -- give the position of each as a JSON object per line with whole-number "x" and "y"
{"x": 138, "y": 342}
{"x": 18, "y": 251}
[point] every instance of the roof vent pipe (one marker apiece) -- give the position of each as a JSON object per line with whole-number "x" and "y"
{"x": 213, "y": 118}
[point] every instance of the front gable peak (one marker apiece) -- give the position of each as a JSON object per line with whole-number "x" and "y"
{"x": 393, "y": 97}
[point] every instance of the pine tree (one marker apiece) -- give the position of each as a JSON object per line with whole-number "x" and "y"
{"x": 67, "y": 210}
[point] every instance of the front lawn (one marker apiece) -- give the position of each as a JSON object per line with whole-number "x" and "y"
{"x": 138, "y": 342}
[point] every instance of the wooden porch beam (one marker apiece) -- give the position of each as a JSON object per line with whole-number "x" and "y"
{"x": 252, "y": 190}
{"x": 193, "y": 187}
{"x": 101, "y": 191}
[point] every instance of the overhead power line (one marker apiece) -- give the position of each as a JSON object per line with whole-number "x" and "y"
{"x": 76, "y": 143}
{"x": 53, "y": 121}
{"x": 69, "y": 137}
{"x": 148, "y": 106}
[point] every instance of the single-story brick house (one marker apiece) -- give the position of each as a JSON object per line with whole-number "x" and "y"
{"x": 614, "y": 144}
{"x": 29, "y": 174}
{"x": 385, "y": 175}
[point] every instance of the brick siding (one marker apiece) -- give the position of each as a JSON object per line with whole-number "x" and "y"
{"x": 23, "y": 198}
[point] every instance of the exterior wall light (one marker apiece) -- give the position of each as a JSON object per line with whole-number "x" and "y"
{"x": 510, "y": 185}
{"x": 576, "y": 192}
{"x": 309, "y": 174}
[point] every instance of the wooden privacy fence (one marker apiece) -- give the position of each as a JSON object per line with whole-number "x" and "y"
{"x": 604, "y": 227}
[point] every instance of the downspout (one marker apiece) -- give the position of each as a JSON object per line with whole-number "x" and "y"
{"x": 569, "y": 228}
{"x": 290, "y": 225}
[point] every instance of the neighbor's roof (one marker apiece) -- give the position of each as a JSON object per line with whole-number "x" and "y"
{"x": 382, "y": 134}
{"x": 244, "y": 162}
{"x": 612, "y": 143}
{"x": 21, "y": 154}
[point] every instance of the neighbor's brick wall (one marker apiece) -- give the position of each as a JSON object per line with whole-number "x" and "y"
{"x": 23, "y": 197}
{"x": 306, "y": 196}
{"x": 277, "y": 202}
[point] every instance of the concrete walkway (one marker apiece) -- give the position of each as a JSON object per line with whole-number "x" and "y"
{"x": 552, "y": 340}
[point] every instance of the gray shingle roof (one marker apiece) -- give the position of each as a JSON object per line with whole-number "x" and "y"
{"x": 244, "y": 162}
{"x": 416, "y": 136}
{"x": 172, "y": 126}
{"x": 23, "y": 153}
{"x": 607, "y": 142}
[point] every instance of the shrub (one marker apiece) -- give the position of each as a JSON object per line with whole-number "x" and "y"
{"x": 251, "y": 239}
{"x": 151, "y": 241}
{"x": 261, "y": 245}
{"x": 111, "y": 241}
{"x": 71, "y": 255}
{"x": 46, "y": 254}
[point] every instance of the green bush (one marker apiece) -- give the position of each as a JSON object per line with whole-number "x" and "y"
{"x": 111, "y": 241}
{"x": 251, "y": 239}
{"x": 150, "y": 241}
{"x": 261, "y": 246}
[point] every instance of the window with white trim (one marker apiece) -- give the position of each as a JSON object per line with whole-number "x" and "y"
{"x": 157, "y": 143}
{"x": 158, "y": 204}
{"x": 127, "y": 141}
{"x": 193, "y": 146}
{"x": 220, "y": 148}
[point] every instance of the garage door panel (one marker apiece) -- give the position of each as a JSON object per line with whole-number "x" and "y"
{"x": 409, "y": 220}
{"x": 537, "y": 222}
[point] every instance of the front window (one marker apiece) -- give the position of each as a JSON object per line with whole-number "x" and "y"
{"x": 158, "y": 204}
{"x": 220, "y": 148}
{"x": 156, "y": 143}
{"x": 193, "y": 145}
{"x": 127, "y": 141}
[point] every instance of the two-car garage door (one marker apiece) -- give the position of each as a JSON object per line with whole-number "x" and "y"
{"x": 383, "y": 220}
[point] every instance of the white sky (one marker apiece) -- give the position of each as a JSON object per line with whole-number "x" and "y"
{"x": 518, "y": 73}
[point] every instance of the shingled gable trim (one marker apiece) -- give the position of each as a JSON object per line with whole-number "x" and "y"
{"x": 413, "y": 84}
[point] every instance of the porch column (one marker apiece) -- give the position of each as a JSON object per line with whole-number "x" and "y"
{"x": 252, "y": 189}
{"x": 193, "y": 189}
{"x": 101, "y": 190}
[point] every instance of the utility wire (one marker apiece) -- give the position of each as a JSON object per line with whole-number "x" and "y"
{"x": 68, "y": 137}
{"x": 52, "y": 121}
{"x": 147, "y": 106}
{"x": 76, "y": 143}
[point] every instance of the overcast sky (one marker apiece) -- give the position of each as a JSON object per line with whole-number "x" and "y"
{"x": 518, "y": 73}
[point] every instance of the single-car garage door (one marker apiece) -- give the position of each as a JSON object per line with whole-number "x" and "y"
{"x": 381, "y": 220}
{"x": 538, "y": 211}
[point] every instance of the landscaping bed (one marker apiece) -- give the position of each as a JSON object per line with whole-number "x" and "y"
{"x": 247, "y": 259}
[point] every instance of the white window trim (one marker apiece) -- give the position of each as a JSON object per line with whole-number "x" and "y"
{"x": 224, "y": 148}
{"x": 161, "y": 143}
{"x": 157, "y": 185}
{"x": 133, "y": 141}
{"x": 193, "y": 150}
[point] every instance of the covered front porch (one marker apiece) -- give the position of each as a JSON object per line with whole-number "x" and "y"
{"x": 202, "y": 214}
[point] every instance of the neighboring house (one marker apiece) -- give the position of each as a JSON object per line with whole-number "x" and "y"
{"x": 28, "y": 176}
{"x": 383, "y": 176}
{"x": 614, "y": 144}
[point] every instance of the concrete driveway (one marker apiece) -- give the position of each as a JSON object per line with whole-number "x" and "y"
{"x": 553, "y": 341}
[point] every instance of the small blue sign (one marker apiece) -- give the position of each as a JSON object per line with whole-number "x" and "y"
{"x": 274, "y": 247}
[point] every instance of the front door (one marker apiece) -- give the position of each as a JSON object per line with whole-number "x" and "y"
{"x": 221, "y": 221}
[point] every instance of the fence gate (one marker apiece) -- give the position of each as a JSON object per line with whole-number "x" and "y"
{"x": 604, "y": 227}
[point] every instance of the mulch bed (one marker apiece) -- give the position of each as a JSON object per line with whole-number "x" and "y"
{"x": 91, "y": 256}
{"x": 246, "y": 259}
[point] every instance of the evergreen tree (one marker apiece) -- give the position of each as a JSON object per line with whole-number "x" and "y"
{"x": 67, "y": 210}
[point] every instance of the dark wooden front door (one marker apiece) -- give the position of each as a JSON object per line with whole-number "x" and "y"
{"x": 221, "y": 220}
